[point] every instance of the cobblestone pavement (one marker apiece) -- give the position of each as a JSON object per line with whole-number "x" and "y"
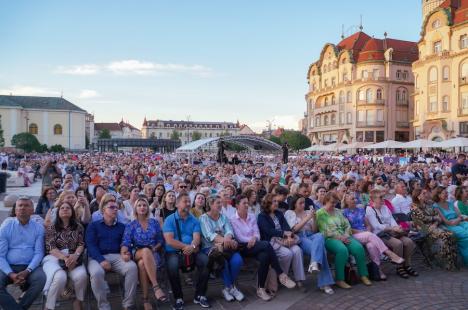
{"x": 433, "y": 289}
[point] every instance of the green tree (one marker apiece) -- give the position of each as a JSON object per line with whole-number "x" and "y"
{"x": 57, "y": 148}
{"x": 275, "y": 139}
{"x": 196, "y": 135}
{"x": 26, "y": 142}
{"x": 175, "y": 135}
{"x": 105, "y": 134}
{"x": 295, "y": 139}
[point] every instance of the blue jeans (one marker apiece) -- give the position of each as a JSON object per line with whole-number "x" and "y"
{"x": 314, "y": 245}
{"x": 34, "y": 286}
{"x": 231, "y": 269}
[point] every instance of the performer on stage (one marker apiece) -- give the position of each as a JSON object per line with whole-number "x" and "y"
{"x": 285, "y": 148}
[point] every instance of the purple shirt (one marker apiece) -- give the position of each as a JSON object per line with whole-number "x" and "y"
{"x": 356, "y": 218}
{"x": 244, "y": 230}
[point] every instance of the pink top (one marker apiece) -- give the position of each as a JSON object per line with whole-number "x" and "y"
{"x": 244, "y": 230}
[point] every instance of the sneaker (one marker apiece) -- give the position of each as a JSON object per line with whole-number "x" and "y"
{"x": 202, "y": 301}
{"x": 237, "y": 294}
{"x": 286, "y": 281}
{"x": 313, "y": 267}
{"x": 179, "y": 304}
{"x": 263, "y": 295}
{"x": 327, "y": 290}
{"x": 227, "y": 295}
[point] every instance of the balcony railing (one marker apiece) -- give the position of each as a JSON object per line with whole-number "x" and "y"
{"x": 370, "y": 124}
{"x": 375, "y": 101}
{"x": 402, "y": 124}
{"x": 402, "y": 102}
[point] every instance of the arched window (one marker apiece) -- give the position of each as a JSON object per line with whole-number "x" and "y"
{"x": 369, "y": 95}
{"x": 433, "y": 75}
{"x": 403, "y": 95}
{"x": 57, "y": 129}
{"x": 436, "y": 24}
{"x": 317, "y": 121}
{"x": 33, "y": 129}
{"x": 464, "y": 70}
{"x": 342, "y": 97}
{"x": 325, "y": 120}
{"x": 333, "y": 119}
{"x": 398, "y": 95}
{"x": 446, "y": 73}
{"x": 349, "y": 96}
{"x": 379, "y": 94}
{"x": 326, "y": 101}
{"x": 333, "y": 100}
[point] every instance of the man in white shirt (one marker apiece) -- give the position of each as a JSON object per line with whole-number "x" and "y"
{"x": 402, "y": 201}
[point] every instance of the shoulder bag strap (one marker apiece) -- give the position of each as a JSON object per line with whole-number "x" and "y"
{"x": 377, "y": 216}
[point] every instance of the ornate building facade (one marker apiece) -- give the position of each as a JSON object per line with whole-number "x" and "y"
{"x": 441, "y": 73}
{"x": 165, "y": 129}
{"x": 359, "y": 91}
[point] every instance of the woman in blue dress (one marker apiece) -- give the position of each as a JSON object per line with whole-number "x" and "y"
{"x": 143, "y": 236}
{"x": 452, "y": 220}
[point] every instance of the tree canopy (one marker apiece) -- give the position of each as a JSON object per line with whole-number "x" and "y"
{"x": 105, "y": 134}
{"x": 295, "y": 139}
{"x": 27, "y": 142}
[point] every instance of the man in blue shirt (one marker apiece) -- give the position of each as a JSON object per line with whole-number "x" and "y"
{"x": 103, "y": 240}
{"x": 21, "y": 252}
{"x": 182, "y": 235}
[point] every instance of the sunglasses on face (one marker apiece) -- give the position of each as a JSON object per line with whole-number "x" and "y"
{"x": 183, "y": 186}
{"x": 113, "y": 207}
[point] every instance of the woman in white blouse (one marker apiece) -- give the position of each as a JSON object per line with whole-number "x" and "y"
{"x": 302, "y": 223}
{"x": 383, "y": 225}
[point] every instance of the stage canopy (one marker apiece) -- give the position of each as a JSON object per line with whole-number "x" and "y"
{"x": 251, "y": 142}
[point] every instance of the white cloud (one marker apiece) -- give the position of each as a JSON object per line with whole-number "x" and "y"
{"x": 78, "y": 69}
{"x": 24, "y": 90}
{"x": 88, "y": 94}
{"x": 283, "y": 121}
{"x": 136, "y": 67}
{"x": 133, "y": 66}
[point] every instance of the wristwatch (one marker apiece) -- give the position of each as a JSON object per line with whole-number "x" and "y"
{"x": 29, "y": 270}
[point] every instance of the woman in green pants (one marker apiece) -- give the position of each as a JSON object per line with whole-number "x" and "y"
{"x": 337, "y": 231}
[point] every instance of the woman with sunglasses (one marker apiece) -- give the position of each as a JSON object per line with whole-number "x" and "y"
{"x": 143, "y": 236}
{"x": 382, "y": 223}
{"x": 217, "y": 234}
{"x": 337, "y": 231}
{"x": 360, "y": 227}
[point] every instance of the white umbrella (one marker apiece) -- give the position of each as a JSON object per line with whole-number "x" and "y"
{"x": 310, "y": 148}
{"x": 455, "y": 142}
{"x": 354, "y": 145}
{"x": 389, "y": 144}
{"x": 421, "y": 143}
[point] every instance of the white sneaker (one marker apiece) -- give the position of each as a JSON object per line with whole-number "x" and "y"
{"x": 263, "y": 295}
{"x": 236, "y": 293}
{"x": 313, "y": 267}
{"x": 227, "y": 295}
{"x": 328, "y": 290}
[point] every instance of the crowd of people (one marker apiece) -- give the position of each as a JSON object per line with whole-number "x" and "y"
{"x": 138, "y": 215}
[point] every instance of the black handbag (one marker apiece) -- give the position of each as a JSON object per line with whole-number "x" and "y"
{"x": 351, "y": 276}
{"x": 374, "y": 271}
{"x": 62, "y": 264}
{"x": 188, "y": 261}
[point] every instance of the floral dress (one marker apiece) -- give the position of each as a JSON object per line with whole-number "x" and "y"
{"x": 135, "y": 236}
{"x": 440, "y": 245}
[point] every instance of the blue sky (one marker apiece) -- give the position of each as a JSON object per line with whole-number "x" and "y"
{"x": 210, "y": 60}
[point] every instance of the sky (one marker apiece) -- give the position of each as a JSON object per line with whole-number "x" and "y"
{"x": 201, "y": 60}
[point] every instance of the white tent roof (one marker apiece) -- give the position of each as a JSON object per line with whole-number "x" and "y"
{"x": 389, "y": 144}
{"x": 193, "y": 146}
{"x": 421, "y": 143}
{"x": 455, "y": 142}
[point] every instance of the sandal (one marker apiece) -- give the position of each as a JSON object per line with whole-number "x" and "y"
{"x": 411, "y": 271}
{"x": 161, "y": 297}
{"x": 146, "y": 304}
{"x": 401, "y": 271}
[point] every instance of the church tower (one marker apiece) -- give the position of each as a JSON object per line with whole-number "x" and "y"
{"x": 428, "y": 6}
